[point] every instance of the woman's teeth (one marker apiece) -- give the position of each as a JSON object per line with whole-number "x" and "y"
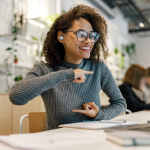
{"x": 85, "y": 48}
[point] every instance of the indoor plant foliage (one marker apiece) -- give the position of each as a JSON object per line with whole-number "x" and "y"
{"x": 18, "y": 78}
{"x": 15, "y": 59}
{"x": 130, "y": 51}
{"x": 18, "y": 23}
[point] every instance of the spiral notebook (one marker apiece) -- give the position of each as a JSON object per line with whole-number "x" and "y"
{"x": 95, "y": 125}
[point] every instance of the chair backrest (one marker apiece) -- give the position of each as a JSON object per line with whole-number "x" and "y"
{"x": 128, "y": 111}
{"x": 37, "y": 122}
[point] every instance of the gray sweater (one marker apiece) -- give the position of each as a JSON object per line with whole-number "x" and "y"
{"x": 61, "y": 95}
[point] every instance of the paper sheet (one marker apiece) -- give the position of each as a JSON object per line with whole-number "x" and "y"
{"x": 46, "y": 140}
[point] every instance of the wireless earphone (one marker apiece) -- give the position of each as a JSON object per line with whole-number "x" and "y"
{"x": 61, "y": 37}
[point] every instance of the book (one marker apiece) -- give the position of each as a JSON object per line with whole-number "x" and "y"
{"x": 129, "y": 138}
{"x": 95, "y": 125}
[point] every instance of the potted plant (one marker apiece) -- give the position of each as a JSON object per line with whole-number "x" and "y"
{"x": 20, "y": 23}
{"x": 15, "y": 59}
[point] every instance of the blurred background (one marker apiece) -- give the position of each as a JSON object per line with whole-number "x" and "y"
{"x": 23, "y": 27}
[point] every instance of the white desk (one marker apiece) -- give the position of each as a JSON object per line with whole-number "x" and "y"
{"x": 141, "y": 116}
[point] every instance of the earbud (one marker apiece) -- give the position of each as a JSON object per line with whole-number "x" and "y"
{"x": 61, "y": 37}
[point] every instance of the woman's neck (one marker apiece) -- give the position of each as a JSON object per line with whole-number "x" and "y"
{"x": 73, "y": 60}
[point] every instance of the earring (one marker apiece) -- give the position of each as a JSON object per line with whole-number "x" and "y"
{"x": 61, "y": 37}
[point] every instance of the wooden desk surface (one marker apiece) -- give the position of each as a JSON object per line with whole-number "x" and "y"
{"x": 141, "y": 116}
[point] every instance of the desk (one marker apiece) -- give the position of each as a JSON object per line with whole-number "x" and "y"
{"x": 141, "y": 116}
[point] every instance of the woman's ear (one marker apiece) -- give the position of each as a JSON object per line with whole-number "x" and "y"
{"x": 60, "y": 37}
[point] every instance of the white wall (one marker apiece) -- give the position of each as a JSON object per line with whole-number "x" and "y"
{"x": 120, "y": 21}
{"x": 142, "y": 48}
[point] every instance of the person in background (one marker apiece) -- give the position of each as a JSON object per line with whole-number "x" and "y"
{"x": 146, "y": 87}
{"x": 74, "y": 73}
{"x": 131, "y": 88}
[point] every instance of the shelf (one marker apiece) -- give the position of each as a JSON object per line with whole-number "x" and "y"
{"x": 40, "y": 21}
{"x": 17, "y": 66}
{"x": 21, "y": 38}
{"x": 22, "y": 67}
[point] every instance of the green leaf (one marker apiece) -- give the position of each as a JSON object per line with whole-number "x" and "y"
{"x": 14, "y": 30}
{"x": 34, "y": 38}
{"x": 5, "y": 59}
{"x": 9, "y": 48}
{"x": 15, "y": 57}
{"x": 116, "y": 51}
{"x": 127, "y": 49}
{"x": 52, "y": 18}
{"x": 14, "y": 39}
{"x": 18, "y": 78}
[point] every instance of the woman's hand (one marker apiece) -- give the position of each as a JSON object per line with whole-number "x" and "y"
{"x": 90, "y": 109}
{"x": 80, "y": 75}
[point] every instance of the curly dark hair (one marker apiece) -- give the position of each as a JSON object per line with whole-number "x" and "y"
{"x": 54, "y": 51}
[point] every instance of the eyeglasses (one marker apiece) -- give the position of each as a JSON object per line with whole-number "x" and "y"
{"x": 83, "y": 35}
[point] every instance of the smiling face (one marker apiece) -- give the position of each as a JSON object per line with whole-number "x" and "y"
{"x": 75, "y": 51}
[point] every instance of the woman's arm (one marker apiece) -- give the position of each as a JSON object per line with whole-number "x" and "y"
{"x": 133, "y": 102}
{"x": 36, "y": 82}
{"x": 117, "y": 102}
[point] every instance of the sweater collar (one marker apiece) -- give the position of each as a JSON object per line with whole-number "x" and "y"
{"x": 71, "y": 65}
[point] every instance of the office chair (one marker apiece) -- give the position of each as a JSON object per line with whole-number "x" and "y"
{"x": 37, "y": 122}
{"x": 127, "y": 111}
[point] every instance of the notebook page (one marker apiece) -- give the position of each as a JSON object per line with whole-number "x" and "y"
{"x": 89, "y": 125}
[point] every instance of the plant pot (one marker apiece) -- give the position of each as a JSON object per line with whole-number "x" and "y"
{"x": 15, "y": 60}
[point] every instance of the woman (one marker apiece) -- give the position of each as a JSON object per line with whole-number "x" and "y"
{"x": 146, "y": 88}
{"x": 131, "y": 88}
{"x": 70, "y": 82}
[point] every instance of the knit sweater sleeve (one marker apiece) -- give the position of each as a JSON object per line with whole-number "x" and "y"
{"x": 37, "y": 80}
{"x": 117, "y": 102}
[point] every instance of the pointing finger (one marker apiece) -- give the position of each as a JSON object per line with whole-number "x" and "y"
{"x": 87, "y": 72}
{"x": 80, "y": 111}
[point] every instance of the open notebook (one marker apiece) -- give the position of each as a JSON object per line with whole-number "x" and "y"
{"x": 96, "y": 124}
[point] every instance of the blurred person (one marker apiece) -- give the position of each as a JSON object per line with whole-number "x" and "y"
{"x": 146, "y": 88}
{"x": 74, "y": 73}
{"x": 131, "y": 90}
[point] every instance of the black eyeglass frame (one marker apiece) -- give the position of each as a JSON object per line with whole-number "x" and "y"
{"x": 88, "y": 35}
